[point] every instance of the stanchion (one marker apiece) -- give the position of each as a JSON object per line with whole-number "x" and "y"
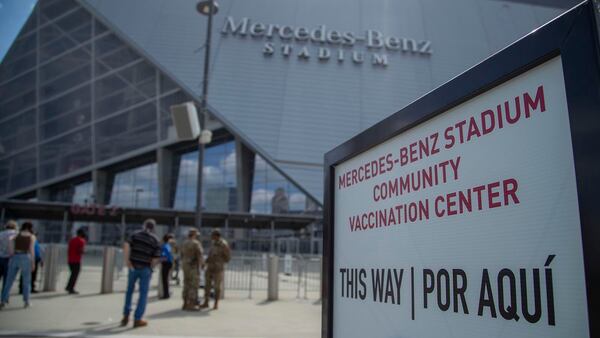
{"x": 108, "y": 269}
{"x": 161, "y": 291}
{"x": 273, "y": 278}
{"x": 51, "y": 256}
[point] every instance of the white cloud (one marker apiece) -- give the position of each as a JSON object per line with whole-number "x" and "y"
{"x": 148, "y": 172}
{"x": 212, "y": 175}
{"x": 261, "y": 196}
{"x": 190, "y": 164}
{"x": 297, "y": 197}
{"x": 215, "y": 175}
{"x": 228, "y": 163}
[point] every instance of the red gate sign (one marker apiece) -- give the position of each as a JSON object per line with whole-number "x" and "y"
{"x": 94, "y": 210}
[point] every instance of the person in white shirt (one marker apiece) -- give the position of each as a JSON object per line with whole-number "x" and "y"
{"x": 9, "y": 232}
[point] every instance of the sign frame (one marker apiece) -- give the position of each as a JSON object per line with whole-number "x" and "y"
{"x": 575, "y": 37}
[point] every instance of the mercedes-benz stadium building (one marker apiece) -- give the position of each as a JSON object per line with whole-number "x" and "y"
{"x": 86, "y": 136}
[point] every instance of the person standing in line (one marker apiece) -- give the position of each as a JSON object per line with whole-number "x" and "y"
{"x": 38, "y": 261}
{"x": 141, "y": 252}
{"x": 176, "y": 260}
{"x": 75, "y": 252}
{"x": 218, "y": 255}
{"x": 166, "y": 260}
{"x": 22, "y": 253}
{"x": 192, "y": 260}
{"x": 10, "y": 231}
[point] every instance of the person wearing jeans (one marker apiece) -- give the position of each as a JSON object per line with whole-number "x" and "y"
{"x": 166, "y": 261}
{"x": 34, "y": 273}
{"x": 22, "y": 259}
{"x": 143, "y": 275}
{"x": 141, "y": 252}
{"x": 5, "y": 237}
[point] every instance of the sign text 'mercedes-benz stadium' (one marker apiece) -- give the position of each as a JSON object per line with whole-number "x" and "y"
{"x": 330, "y": 44}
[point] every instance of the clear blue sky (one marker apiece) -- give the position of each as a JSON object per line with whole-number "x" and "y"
{"x": 13, "y": 14}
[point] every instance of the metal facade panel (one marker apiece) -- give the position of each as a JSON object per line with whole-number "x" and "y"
{"x": 294, "y": 110}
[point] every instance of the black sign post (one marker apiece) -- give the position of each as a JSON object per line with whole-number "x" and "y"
{"x": 574, "y": 38}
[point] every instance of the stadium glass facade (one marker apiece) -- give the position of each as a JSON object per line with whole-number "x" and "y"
{"x": 77, "y": 102}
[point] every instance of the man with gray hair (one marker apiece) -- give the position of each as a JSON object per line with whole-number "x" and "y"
{"x": 141, "y": 252}
{"x": 10, "y": 231}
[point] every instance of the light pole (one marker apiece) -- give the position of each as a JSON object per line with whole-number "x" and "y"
{"x": 208, "y": 8}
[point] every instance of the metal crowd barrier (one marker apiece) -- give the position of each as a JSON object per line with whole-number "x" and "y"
{"x": 55, "y": 264}
{"x": 299, "y": 274}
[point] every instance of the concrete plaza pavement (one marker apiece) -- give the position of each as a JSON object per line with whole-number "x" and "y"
{"x": 90, "y": 314}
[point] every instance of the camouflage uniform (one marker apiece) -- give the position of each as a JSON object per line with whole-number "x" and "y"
{"x": 191, "y": 260}
{"x": 218, "y": 255}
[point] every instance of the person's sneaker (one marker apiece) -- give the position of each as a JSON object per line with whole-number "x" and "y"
{"x": 2, "y": 305}
{"x": 140, "y": 323}
{"x": 125, "y": 321}
{"x": 27, "y": 304}
{"x": 73, "y": 292}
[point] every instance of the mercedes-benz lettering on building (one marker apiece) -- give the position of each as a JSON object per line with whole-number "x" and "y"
{"x": 86, "y": 87}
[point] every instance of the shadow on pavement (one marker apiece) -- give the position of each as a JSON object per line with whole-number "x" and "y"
{"x": 178, "y": 313}
{"x": 108, "y": 329}
{"x": 48, "y": 295}
{"x": 88, "y": 295}
{"x": 103, "y": 329}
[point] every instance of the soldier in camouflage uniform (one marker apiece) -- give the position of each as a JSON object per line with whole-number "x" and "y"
{"x": 192, "y": 260}
{"x": 218, "y": 255}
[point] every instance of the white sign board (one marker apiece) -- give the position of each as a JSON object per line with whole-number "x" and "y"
{"x": 466, "y": 225}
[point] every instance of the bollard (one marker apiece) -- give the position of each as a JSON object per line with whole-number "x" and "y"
{"x": 51, "y": 257}
{"x": 273, "y": 278}
{"x": 108, "y": 269}
{"x": 161, "y": 292}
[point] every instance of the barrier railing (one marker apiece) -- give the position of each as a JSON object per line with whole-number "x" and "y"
{"x": 299, "y": 276}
